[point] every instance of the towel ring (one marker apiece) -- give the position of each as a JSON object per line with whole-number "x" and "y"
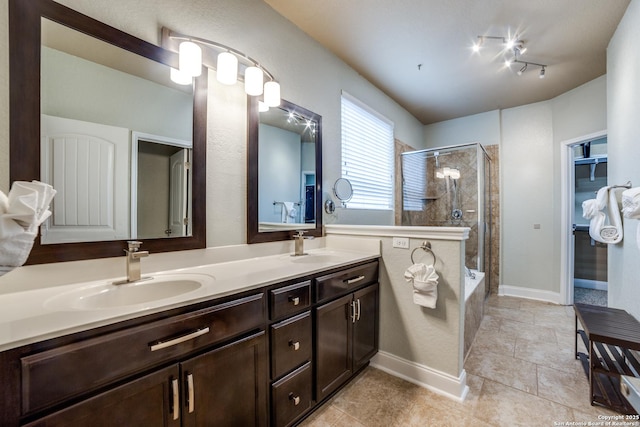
{"x": 425, "y": 246}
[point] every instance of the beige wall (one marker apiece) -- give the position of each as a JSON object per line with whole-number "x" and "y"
{"x": 310, "y": 76}
{"x": 623, "y": 111}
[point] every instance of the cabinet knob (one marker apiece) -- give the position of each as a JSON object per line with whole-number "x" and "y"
{"x": 295, "y": 345}
{"x": 625, "y": 389}
{"x": 294, "y": 300}
{"x": 294, "y": 399}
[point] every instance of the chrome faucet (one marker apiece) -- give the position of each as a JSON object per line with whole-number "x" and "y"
{"x": 299, "y": 242}
{"x": 133, "y": 261}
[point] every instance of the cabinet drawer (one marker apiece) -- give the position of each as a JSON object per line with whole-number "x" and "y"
{"x": 52, "y": 376}
{"x": 291, "y": 396}
{"x": 291, "y": 344}
{"x": 336, "y": 284}
{"x": 290, "y": 299}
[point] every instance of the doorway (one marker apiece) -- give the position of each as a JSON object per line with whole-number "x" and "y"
{"x": 584, "y": 173}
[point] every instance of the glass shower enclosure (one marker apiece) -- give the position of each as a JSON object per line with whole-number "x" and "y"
{"x": 449, "y": 187}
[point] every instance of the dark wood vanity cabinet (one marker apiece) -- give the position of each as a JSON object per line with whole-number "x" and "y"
{"x": 267, "y": 357}
{"x": 346, "y": 338}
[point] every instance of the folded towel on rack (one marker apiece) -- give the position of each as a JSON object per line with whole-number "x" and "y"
{"x": 21, "y": 213}
{"x": 592, "y": 209}
{"x": 631, "y": 203}
{"x": 288, "y": 212}
{"x": 425, "y": 284}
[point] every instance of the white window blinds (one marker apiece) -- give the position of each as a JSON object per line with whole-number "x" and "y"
{"x": 367, "y": 155}
{"x": 414, "y": 173}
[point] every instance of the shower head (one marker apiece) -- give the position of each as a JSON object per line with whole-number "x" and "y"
{"x": 436, "y": 154}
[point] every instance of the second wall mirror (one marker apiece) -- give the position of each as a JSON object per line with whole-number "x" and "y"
{"x": 284, "y": 165}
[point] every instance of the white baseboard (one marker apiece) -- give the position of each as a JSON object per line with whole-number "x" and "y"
{"x": 591, "y": 284}
{"x": 431, "y": 379}
{"x": 536, "y": 294}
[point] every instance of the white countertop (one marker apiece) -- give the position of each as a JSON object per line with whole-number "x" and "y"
{"x": 38, "y": 312}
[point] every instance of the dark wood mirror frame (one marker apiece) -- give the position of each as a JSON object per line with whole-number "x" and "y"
{"x": 24, "y": 102}
{"x": 253, "y": 122}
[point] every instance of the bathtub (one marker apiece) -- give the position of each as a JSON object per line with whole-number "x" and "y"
{"x": 473, "y": 307}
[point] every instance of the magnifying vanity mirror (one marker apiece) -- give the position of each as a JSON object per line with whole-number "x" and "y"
{"x": 94, "y": 113}
{"x": 284, "y": 172}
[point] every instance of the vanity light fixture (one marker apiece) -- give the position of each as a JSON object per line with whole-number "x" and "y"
{"x": 513, "y": 49}
{"x": 231, "y": 65}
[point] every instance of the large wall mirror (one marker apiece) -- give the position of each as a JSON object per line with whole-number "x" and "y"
{"x": 284, "y": 172}
{"x": 95, "y": 114}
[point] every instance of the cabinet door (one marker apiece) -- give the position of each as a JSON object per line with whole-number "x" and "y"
{"x": 227, "y": 386}
{"x": 147, "y": 401}
{"x": 333, "y": 345}
{"x": 365, "y": 329}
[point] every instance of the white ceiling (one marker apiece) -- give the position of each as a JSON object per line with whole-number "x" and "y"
{"x": 385, "y": 40}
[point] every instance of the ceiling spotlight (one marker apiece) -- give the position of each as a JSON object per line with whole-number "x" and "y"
{"x": 523, "y": 69}
{"x": 508, "y": 62}
{"x": 510, "y": 43}
{"x": 477, "y": 45}
{"x": 542, "y": 72}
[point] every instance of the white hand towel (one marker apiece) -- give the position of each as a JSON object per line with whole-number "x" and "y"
{"x": 631, "y": 203}
{"x": 425, "y": 284}
{"x": 21, "y": 212}
{"x": 599, "y": 230}
{"x": 287, "y": 207}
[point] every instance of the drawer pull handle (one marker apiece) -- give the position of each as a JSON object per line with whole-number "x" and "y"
{"x": 295, "y": 345}
{"x": 294, "y": 300}
{"x": 358, "y": 310}
{"x": 169, "y": 343}
{"x": 190, "y": 392}
{"x": 353, "y": 280}
{"x": 176, "y": 399}
{"x": 294, "y": 399}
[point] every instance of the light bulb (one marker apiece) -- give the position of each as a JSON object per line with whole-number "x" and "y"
{"x": 508, "y": 62}
{"x": 180, "y": 78}
{"x": 253, "y": 78}
{"x": 542, "y": 73}
{"x": 272, "y": 93}
{"x": 190, "y": 59}
{"x": 227, "y": 68}
{"x": 523, "y": 69}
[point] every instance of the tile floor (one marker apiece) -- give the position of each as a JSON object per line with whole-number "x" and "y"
{"x": 520, "y": 371}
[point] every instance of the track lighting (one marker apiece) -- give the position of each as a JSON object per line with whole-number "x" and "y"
{"x": 513, "y": 49}
{"x": 231, "y": 65}
{"x": 523, "y": 69}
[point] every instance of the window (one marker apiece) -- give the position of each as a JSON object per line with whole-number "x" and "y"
{"x": 367, "y": 155}
{"x": 414, "y": 172}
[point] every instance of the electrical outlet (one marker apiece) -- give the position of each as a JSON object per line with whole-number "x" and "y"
{"x": 401, "y": 242}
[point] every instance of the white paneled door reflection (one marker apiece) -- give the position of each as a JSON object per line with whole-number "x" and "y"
{"x": 87, "y": 163}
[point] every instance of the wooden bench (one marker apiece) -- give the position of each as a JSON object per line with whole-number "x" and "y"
{"x": 609, "y": 335}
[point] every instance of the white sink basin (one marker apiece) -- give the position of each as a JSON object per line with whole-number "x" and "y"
{"x": 312, "y": 258}
{"x": 107, "y": 295}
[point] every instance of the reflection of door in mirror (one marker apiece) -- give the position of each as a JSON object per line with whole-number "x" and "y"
{"x": 87, "y": 164}
{"x": 159, "y": 187}
{"x": 95, "y": 83}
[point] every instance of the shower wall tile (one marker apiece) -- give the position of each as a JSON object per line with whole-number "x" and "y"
{"x": 494, "y": 153}
{"x": 399, "y": 148}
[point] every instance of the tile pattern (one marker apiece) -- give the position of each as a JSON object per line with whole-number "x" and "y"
{"x": 520, "y": 371}
{"x": 494, "y": 193}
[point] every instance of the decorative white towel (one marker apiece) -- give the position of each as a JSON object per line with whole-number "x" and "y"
{"x": 21, "y": 212}
{"x": 425, "y": 284}
{"x": 631, "y": 203}
{"x": 592, "y": 210}
{"x": 288, "y": 212}
{"x": 631, "y": 208}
